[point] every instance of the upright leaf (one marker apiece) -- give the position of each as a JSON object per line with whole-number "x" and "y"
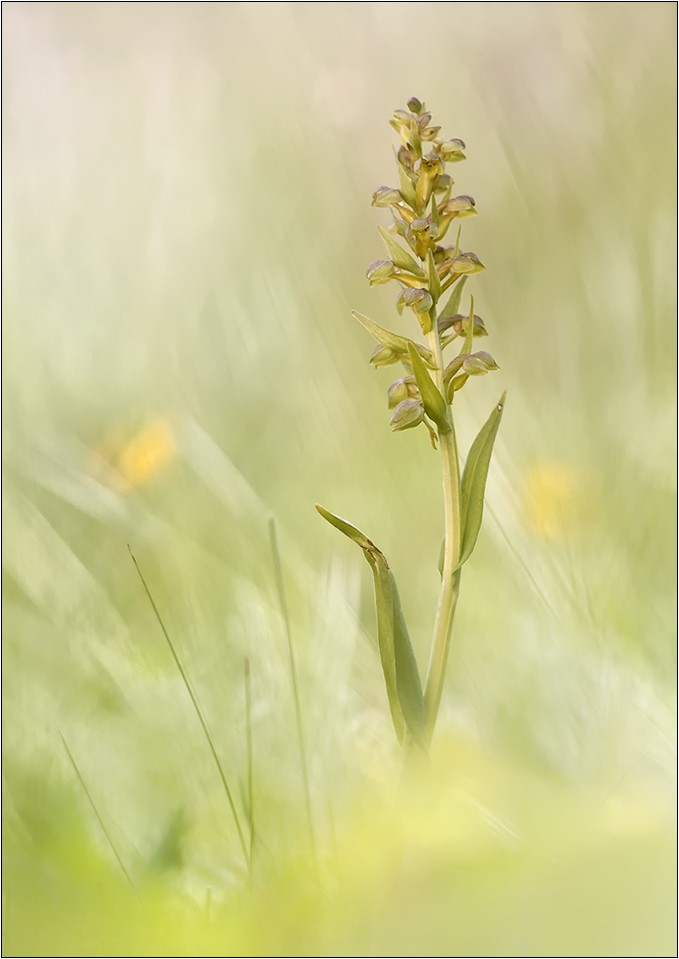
{"x": 433, "y": 277}
{"x": 401, "y": 676}
{"x": 452, "y": 307}
{"x": 434, "y": 209}
{"x": 400, "y": 257}
{"x": 467, "y": 346}
{"x": 384, "y": 611}
{"x": 434, "y": 405}
{"x": 408, "y": 685}
{"x": 407, "y": 188}
{"x": 474, "y": 481}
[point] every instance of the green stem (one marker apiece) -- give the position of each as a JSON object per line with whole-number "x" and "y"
{"x": 450, "y": 580}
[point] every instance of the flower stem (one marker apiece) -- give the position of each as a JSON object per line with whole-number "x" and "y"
{"x": 450, "y": 578}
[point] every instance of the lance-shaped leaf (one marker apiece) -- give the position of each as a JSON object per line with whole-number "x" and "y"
{"x": 401, "y": 676}
{"x": 469, "y": 334}
{"x": 434, "y": 405}
{"x": 433, "y": 277}
{"x": 401, "y": 258}
{"x": 408, "y": 684}
{"x": 407, "y": 186}
{"x": 414, "y": 138}
{"x": 399, "y": 344}
{"x": 434, "y": 206}
{"x": 395, "y": 342}
{"x": 453, "y": 305}
{"x": 474, "y": 481}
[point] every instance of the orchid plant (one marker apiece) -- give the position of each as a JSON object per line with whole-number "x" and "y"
{"x": 423, "y": 210}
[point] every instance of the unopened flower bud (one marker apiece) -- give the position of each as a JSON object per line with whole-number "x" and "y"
{"x": 442, "y": 183}
{"x": 408, "y": 413}
{"x": 452, "y": 151}
{"x": 405, "y": 158}
{"x": 383, "y": 356}
{"x": 414, "y": 105}
{"x": 430, "y": 133}
{"x": 386, "y": 196}
{"x": 459, "y": 206}
{"x": 458, "y": 324}
{"x": 479, "y": 363}
{"x": 380, "y": 271}
{"x": 467, "y": 263}
{"x": 403, "y": 389}
{"x": 418, "y": 300}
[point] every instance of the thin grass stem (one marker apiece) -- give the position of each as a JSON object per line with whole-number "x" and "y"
{"x": 96, "y": 811}
{"x": 248, "y": 740}
{"x": 295, "y": 686}
{"x": 198, "y": 710}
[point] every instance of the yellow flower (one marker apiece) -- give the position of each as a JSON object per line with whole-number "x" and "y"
{"x": 553, "y": 499}
{"x": 125, "y": 465}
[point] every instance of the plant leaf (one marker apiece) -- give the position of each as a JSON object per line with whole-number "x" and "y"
{"x": 434, "y": 209}
{"x": 407, "y": 188}
{"x": 453, "y": 305}
{"x": 408, "y": 684}
{"x": 400, "y": 258}
{"x": 474, "y": 481}
{"x": 467, "y": 346}
{"x": 434, "y": 278}
{"x": 401, "y": 676}
{"x": 395, "y": 342}
{"x": 434, "y": 405}
{"x": 399, "y": 344}
{"x": 344, "y": 527}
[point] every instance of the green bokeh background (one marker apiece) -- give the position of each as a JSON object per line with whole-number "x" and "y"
{"x": 187, "y": 225}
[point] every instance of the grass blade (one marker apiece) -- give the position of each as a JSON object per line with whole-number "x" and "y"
{"x": 198, "y": 710}
{"x": 295, "y": 686}
{"x": 95, "y": 810}
{"x": 248, "y": 743}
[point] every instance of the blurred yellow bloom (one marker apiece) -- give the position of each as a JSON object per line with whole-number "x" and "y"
{"x": 554, "y": 499}
{"x": 124, "y": 464}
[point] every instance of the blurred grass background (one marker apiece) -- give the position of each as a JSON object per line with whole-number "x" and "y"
{"x": 187, "y": 224}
